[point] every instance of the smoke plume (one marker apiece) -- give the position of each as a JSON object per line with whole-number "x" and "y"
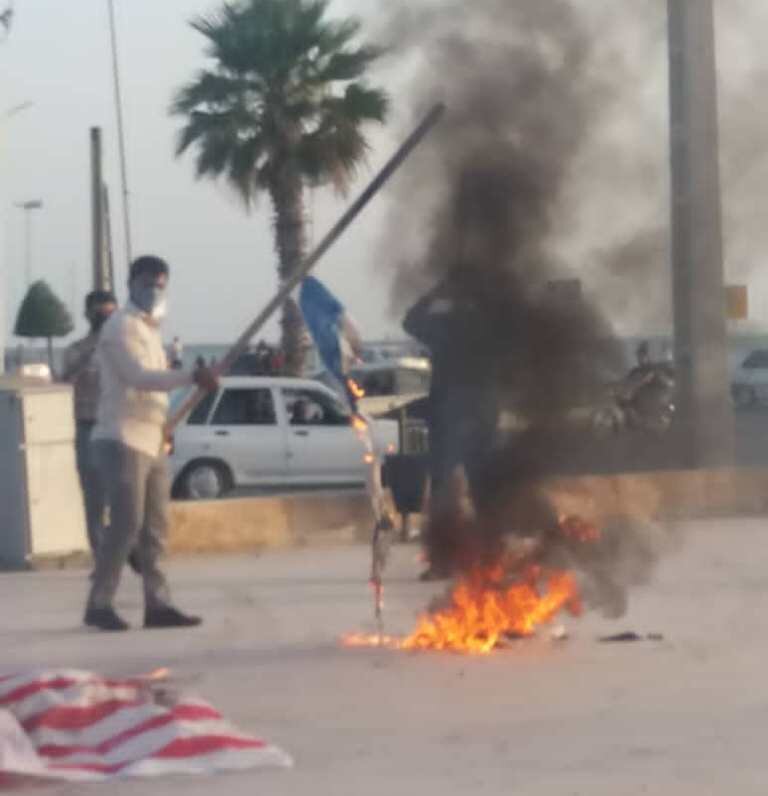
{"x": 484, "y": 209}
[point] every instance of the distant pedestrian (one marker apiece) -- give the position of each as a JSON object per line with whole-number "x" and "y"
{"x": 176, "y": 354}
{"x": 82, "y": 372}
{"x": 130, "y": 447}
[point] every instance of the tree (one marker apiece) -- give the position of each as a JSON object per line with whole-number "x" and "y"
{"x": 42, "y": 314}
{"x": 281, "y": 106}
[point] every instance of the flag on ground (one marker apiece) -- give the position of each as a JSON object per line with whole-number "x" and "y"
{"x": 76, "y": 726}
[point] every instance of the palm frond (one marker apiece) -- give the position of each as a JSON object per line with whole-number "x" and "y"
{"x": 243, "y": 168}
{"x": 284, "y": 87}
{"x": 346, "y": 65}
{"x": 211, "y": 89}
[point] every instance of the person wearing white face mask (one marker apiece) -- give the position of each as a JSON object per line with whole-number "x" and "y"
{"x": 129, "y": 445}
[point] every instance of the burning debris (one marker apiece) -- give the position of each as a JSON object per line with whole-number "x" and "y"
{"x": 628, "y": 636}
{"x": 511, "y": 598}
{"x": 485, "y": 610}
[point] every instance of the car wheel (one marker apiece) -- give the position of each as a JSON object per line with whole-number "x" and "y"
{"x": 744, "y": 396}
{"x": 205, "y": 481}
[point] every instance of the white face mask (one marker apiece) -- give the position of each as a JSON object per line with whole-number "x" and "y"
{"x": 160, "y": 310}
{"x": 150, "y": 299}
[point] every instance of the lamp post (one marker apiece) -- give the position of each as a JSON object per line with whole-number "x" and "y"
{"x": 28, "y": 207}
{"x": 9, "y": 113}
{"x": 120, "y": 132}
{"x": 701, "y": 339}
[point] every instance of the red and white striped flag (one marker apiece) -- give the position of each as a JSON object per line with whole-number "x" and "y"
{"x": 75, "y": 725}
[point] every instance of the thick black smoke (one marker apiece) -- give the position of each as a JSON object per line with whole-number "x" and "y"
{"x": 525, "y": 93}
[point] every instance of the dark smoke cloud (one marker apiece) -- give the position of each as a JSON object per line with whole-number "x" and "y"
{"x": 486, "y": 205}
{"x": 743, "y": 79}
{"x": 592, "y": 77}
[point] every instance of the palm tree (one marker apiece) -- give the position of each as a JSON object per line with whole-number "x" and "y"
{"x": 281, "y": 106}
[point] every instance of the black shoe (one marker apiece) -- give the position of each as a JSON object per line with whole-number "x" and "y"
{"x": 105, "y": 619}
{"x": 134, "y": 562}
{"x": 169, "y": 617}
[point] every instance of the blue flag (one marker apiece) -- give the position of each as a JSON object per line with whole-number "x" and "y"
{"x": 324, "y": 316}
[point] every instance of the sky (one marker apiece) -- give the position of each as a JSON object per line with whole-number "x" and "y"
{"x": 222, "y": 260}
{"x": 58, "y": 58}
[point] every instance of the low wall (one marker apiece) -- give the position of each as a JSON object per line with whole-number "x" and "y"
{"x": 328, "y": 518}
{"x": 668, "y": 495}
{"x": 269, "y": 522}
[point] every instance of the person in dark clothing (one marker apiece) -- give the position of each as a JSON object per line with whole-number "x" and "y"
{"x": 462, "y": 412}
{"x": 82, "y": 372}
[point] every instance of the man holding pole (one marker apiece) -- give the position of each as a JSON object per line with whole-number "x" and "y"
{"x": 129, "y": 446}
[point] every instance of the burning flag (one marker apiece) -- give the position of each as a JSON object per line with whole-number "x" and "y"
{"x": 522, "y": 590}
{"x": 333, "y": 332}
{"x": 485, "y": 609}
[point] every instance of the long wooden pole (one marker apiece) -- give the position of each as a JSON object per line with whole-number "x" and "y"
{"x": 311, "y": 261}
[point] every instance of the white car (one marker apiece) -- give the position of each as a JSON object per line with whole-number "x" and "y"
{"x": 263, "y": 431}
{"x": 750, "y": 381}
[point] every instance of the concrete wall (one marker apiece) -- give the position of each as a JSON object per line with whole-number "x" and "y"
{"x": 327, "y": 518}
{"x": 254, "y": 523}
{"x": 670, "y": 495}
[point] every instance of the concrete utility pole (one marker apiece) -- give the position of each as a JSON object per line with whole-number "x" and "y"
{"x": 701, "y": 339}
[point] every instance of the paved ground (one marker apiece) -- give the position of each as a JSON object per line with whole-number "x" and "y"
{"x": 686, "y": 716}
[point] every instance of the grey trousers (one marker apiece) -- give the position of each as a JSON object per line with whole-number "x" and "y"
{"x": 138, "y": 490}
{"x": 91, "y": 484}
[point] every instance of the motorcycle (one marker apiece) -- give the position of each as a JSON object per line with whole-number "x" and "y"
{"x": 644, "y": 401}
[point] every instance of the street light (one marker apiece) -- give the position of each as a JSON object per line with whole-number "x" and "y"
{"x": 28, "y": 207}
{"x": 5, "y": 116}
{"x": 120, "y": 131}
{"x": 14, "y": 109}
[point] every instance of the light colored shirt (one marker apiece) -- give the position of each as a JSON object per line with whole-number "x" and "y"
{"x": 135, "y": 382}
{"x": 81, "y": 370}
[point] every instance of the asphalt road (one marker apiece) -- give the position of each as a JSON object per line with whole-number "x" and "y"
{"x": 752, "y": 437}
{"x": 684, "y": 716}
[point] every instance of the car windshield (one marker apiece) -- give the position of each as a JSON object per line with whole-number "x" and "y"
{"x": 396, "y": 380}
{"x": 757, "y": 359}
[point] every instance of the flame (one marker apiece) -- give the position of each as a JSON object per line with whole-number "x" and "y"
{"x": 356, "y": 390}
{"x": 163, "y": 673}
{"x": 371, "y": 640}
{"x": 579, "y": 530}
{"x": 360, "y": 426}
{"x": 485, "y": 610}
